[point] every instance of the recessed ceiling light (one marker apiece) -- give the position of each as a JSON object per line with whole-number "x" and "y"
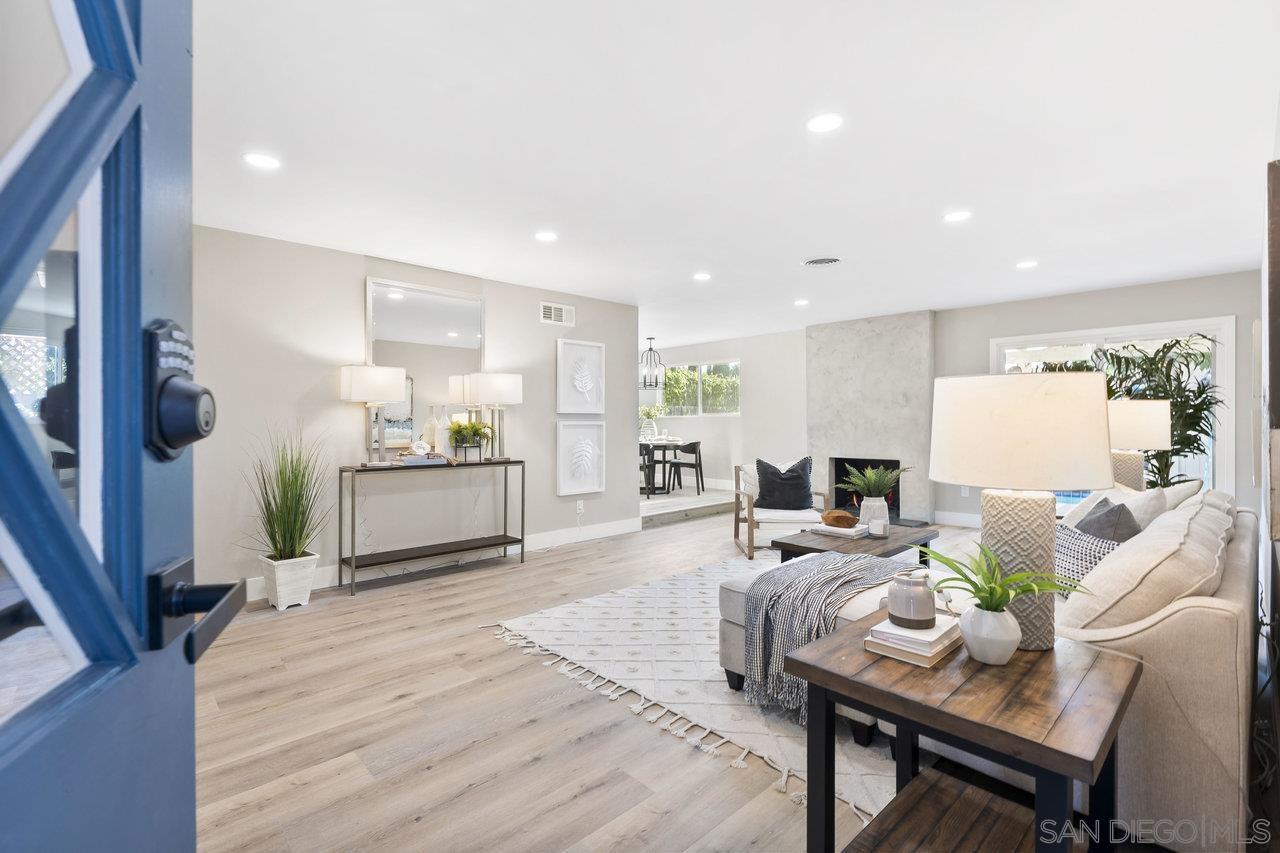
{"x": 702, "y": 276}
{"x": 824, "y": 122}
{"x": 453, "y": 334}
{"x": 546, "y": 237}
{"x": 395, "y": 294}
{"x": 800, "y": 303}
{"x": 1027, "y": 265}
{"x": 258, "y": 160}
{"x": 958, "y": 216}
{"x": 479, "y": 336}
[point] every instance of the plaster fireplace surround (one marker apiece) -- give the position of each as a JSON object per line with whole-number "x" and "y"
{"x": 870, "y": 393}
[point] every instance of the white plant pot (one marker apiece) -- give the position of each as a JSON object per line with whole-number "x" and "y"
{"x": 289, "y": 581}
{"x": 871, "y": 509}
{"x": 990, "y": 637}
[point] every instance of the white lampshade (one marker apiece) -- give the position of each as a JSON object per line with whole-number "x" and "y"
{"x": 1140, "y": 424}
{"x": 497, "y": 389}
{"x": 1033, "y": 431}
{"x": 459, "y": 390}
{"x": 368, "y": 383}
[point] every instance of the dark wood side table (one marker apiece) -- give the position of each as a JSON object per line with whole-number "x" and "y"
{"x": 428, "y": 474}
{"x": 1051, "y": 715}
{"x": 811, "y": 542}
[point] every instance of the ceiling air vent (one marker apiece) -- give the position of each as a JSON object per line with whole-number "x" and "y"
{"x": 556, "y": 314}
{"x": 821, "y": 262}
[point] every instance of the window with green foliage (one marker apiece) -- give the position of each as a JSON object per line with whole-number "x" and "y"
{"x": 720, "y": 386}
{"x": 681, "y": 391}
{"x": 707, "y": 389}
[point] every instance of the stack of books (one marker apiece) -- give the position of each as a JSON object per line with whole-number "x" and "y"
{"x": 919, "y": 646}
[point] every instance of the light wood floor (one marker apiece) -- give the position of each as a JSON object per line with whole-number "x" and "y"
{"x": 391, "y": 721}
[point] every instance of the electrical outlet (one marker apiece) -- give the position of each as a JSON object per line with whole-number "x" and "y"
{"x": 964, "y": 491}
{"x": 580, "y": 508}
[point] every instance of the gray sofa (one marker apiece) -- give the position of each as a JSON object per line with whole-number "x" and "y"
{"x": 1182, "y": 595}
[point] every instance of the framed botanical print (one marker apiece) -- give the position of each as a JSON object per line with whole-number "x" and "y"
{"x": 579, "y": 377}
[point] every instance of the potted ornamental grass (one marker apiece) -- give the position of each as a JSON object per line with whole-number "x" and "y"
{"x": 288, "y": 484}
{"x": 991, "y": 633}
{"x": 874, "y": 485}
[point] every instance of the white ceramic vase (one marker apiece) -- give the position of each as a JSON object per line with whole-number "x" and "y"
{"x": 289, "y": 581}
{"x": 872, "y": 509}
{"x": 648, "y": 428}
{"x": 990, "y": 637}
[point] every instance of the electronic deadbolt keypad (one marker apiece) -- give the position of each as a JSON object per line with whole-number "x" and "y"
{"x": 180, "y": 411}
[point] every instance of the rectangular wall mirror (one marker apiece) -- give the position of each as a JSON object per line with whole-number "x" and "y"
{"x": 433, "y": 334}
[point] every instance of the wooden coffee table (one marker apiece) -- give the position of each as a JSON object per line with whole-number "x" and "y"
{"x": 899, "y": 540}
{"x": 1052, "y": 715}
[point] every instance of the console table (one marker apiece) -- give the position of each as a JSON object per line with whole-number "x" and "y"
{"x": 347, "y": 475}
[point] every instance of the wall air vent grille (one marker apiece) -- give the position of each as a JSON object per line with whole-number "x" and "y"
{"x": 556, "y": 314}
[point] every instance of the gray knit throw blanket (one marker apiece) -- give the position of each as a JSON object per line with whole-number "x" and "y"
{"x": 793, "y": 605}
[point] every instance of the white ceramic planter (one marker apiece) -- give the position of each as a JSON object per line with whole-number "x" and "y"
{"x": 871, "y": 509}
{"x": 990, "y": 637}
{"x": 289, "y": 581}
{"x": 648, "y": 428}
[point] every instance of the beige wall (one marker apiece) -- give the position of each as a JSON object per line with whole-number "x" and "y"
{"x": 963, "y": 343}
{"x": 274, "y": 322}
{"x": 771, "y": 424}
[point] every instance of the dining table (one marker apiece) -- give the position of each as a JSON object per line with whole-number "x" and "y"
{"x": 664, "y": 444}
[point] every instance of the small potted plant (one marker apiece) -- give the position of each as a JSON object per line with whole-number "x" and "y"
{"x": 648, "y": 418}
{"x": 288, "y": 485}
{"x": 991, "y": 633}
{"x": 468, "y": 434}
{"x": 874, "y": 485}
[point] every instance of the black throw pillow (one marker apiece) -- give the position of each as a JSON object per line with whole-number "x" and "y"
{"x": 1114, "y": 522}
{"x": 789, "y": 489}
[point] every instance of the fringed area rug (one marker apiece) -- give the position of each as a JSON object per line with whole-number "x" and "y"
{"x": 659, "y": 645}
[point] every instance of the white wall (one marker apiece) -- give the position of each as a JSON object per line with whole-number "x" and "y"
{"x": 771, "y": 423}
{"x": 274, "y": 321}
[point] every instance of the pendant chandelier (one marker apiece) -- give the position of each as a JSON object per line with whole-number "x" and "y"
{"x": 653, "y": 373}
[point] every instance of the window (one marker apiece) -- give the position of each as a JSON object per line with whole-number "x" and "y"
{"x": 703, "y": 389}
{"x": 1217, "y": 467}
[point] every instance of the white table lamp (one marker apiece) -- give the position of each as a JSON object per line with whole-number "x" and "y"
{"x": 1019, "y": 436}
{"x": 497, "y": 391}
{"x": 374, "y": 386}
{"x": 1137, "y": 426}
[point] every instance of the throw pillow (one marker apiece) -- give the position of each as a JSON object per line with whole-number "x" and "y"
{"x": 789, "y": 489}
{"x": 1146, "y": 506}
{"x": 1076, "y": 553}
{"x": 1113, "y": 522}
{"x": 1179, "y": 493}
{"x": 750, "y": 482}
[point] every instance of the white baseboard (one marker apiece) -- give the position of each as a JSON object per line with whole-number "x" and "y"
{"x": 327, "y": 576}
{"x": 957, "y": 519}
{"x": 566, "y": 535}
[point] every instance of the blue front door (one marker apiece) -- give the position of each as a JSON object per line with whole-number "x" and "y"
{"x": 97, "y": 736}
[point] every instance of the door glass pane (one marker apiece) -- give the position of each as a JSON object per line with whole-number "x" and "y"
{"x": 34, "y": 656}
{"x": 42, "y": 60}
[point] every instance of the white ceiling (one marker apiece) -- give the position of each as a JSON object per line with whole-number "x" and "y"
{"x": 424, "y": 317}
{"x": 1114, "y": 142}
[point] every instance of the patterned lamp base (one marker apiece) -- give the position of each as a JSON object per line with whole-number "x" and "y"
{"x": 1129, "y": 468}
{"x": 1019, "y": 528}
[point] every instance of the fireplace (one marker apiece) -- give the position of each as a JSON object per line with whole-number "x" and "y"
{"x": 843, "y": 498}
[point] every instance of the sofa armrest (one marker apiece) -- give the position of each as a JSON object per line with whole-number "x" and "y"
{"x": 1189, "y": 720}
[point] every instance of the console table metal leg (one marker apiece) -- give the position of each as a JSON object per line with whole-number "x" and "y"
{"x": 353, "y": 534}
{"x": 340, "y": 523}
{"x": 1053, "y": 812}
{"x": 906, "y": 754}
{"x": 821, "y": 817}
{"x": 524, "y": 475}
{"x": 1102, "y": 804}
{"x": 505, "y": 475}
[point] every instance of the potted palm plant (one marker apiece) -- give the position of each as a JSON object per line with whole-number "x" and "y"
{"x": 991, "y": 633}
{"x": 288, "y": 484}
{"x": 873, "y": 485}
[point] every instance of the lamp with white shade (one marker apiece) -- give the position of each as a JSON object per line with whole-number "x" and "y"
{"x": 1137, "y": 426}
{"x": 1020, "y": 437}
{"x": 374, "y": 386}
{"x": 497, "y": 391}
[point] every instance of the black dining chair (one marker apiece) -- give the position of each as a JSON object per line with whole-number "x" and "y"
{"x": 648, "y": 467}
{"x": 676, "y": 465}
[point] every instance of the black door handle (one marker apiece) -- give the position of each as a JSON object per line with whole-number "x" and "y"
{"x": 172, "y": 598}
{"x": 219, "y": 602}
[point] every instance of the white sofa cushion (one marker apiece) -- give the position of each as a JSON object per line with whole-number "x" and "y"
{"x": 1146, "y": 506}
{"x": 1176, "y": 496}
{"x": 1180, "y": 554}
{"x": 787, "y": 516}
